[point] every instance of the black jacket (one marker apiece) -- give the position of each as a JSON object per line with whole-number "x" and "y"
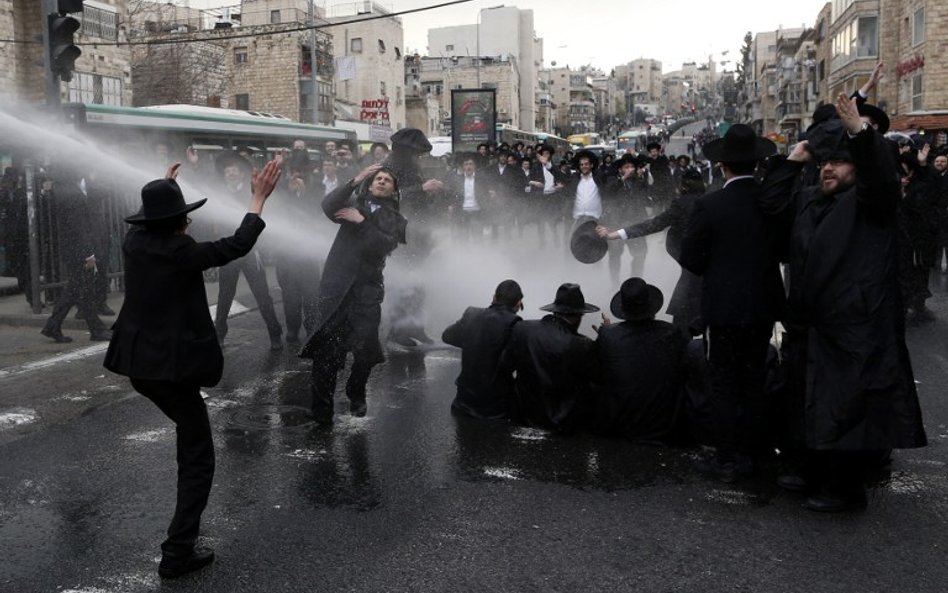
{"x": 555, "y": 367}
{"x": 352, "y": 282}
{"x": 640, "y": 392}
{"x": 482, "y": 335}
{"x": 733, "y": 247}
{"x": 164, "y": 331}
{"x": 845, "y": 303}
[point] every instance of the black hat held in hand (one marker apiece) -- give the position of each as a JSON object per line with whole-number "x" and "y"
{"x": 585, "y": 245}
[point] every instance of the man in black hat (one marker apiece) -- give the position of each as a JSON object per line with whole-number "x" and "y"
{"x": 731, "y": 245}
{"x": 164, "y": 339}
{"x": 470, "y": 199}
{"x": 545, "y": 188}
{"x": 627, "y": 192}
{"x": 349, "y": 305}
{"x": 641, "y": 365}
{"x": 554, "y": 364}
{"x": 234, "y": 170}
{"x": 663, "y": 189}
{"x": 482, "y": 335}
{"x": 851, "y": 380}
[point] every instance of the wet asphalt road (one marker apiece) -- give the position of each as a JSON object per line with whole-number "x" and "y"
{"x": 412, "y": 499}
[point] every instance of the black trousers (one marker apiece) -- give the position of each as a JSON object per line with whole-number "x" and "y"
{"x": 195, "y": 454}
{"x": 737, "y": 361}
{"x": 331, "y": 359}
{"x": 299, "y": 284}
{"x": 257, "y": 279}
{"x": 79, "y": 292}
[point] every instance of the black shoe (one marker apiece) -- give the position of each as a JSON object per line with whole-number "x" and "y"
{"x": 723, "y": 471}
{"x": 793, "y": 483}
{"x": 835, "y": 503}
{"x": 56, "y": 336}
{"x": 357, "y": 409}
{"x": 100, "y": 336}
{"x": 172, "y": 567}
{"x": 276, "y": 343}
{"x": 105, "y": 311}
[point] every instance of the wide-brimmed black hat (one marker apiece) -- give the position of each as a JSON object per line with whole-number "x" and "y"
{"x": 875, "y": 114}
{"x": 626, "y": 159}
{"x": 228, "y": 158}
{"x": 569, "y": 301}
{"x": 412, "y": 139}
{"x": 585, "y": 245}
{"x": 636, "y": 300}
{"x": 162, "y": 199}
{"x": 740, "y": 144}
{"x": 586, "y": 154}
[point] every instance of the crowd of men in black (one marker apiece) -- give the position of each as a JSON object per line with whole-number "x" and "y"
{"x": 853, "y": 216}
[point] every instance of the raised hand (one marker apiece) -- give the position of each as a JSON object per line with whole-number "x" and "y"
{"x": 370, "y": 170}
{"x": 350, "y": 214}
{"x": 264, "y": 181}
{"x": 172, "y": 172}
{"x": 849, "y": 114}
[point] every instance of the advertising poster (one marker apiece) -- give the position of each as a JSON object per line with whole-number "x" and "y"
{"x": 473, "y": 118}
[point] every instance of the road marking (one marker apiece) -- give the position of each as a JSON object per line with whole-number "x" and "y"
{"x": 88, "y": 351}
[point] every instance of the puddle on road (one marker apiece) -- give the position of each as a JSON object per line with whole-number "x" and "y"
{"x": 149, "y": 436}
{"x": 270, "y": 417}
{"x": 17, "y": 417}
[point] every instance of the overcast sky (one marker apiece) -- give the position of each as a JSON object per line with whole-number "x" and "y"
{"x": 606, "y": 33}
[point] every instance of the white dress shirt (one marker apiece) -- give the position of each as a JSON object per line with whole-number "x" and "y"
{"x": 588, "y": 202}
{"x": 470, "y": 200}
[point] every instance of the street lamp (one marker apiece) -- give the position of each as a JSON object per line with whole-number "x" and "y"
{"x": 478, "y": 57}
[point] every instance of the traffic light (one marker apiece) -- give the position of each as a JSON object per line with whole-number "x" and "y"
{"x": 62, "y": 50}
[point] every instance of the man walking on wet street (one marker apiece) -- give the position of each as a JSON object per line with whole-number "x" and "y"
{"x": 349, "y": 305}
{"x": 164, "y": 339}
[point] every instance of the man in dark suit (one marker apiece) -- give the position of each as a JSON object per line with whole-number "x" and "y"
{"x": 349, "y": 305}
{"x": 546, "y": 196}
{"x": 554, "y": 363}
{"x": 470, "y": 199}
{"x": 730, "y": 244}
{"x": 482, "y": 335}
{"x": 642, "y": 363}
{"x": 164, "y": 339}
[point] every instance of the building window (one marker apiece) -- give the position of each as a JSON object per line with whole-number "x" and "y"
{"x": 398, "y": 54}
{"x": 240, "y": 55}
{"x": 867, "y": 38}
{"x": 95, "y": 89}
{"x": 98, "y": 22}
{"x": 355, "y": 45}
{"x": 274, "y": 17}
{"x": 917, "y": 92}
{"x": 381, "y": 46}
{"x": 448, "y": 48}
{"x": 242, "y": 102}
{"x": 918, "y": 26}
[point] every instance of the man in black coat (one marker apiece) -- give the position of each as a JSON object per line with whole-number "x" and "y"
{"x": 641, "y": 365}
{"x": 74, "y": 210}
{"x": 554, "y": 363}
{"x": 471, "y": 199}
{"x": 627, "y": 195}
{"x": 850, "y": 369}
{"x": 482, "y": 335}
{"x": 685, "y": 304}
{"x": 546, "y": 196}
{"x": 165, "y": 342}
{"x": 349, "y": 305}
{"x": 731, "y": 245}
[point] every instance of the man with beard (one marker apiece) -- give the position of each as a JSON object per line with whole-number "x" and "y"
{"x": 730, "y": 244}
{"x": 852, "y": 386}
{"x": 349, "y": 306}
{"x": 554, "y": 365}
{"x": 482, "y": 335}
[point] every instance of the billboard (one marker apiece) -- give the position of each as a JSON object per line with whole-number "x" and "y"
{"x": 473, "y": 118}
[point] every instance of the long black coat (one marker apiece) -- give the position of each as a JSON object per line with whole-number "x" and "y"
{"x": 352, "y": 286}
{"x": 844, "y": 297}
{"x": 164, "y": 331}
{"x": 555, "y": 367}
{"x": 640, "y": 394}
{"x": 733, "y": 247}
{"x": 482, "y": 335}
{"x": 685, "y": 302}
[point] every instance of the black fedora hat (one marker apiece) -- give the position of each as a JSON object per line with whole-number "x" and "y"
{"x": 162, "y": 199}
{"x": 636, "y": 300}
{"x": 586, "y": 154}
{"x": 740, "y": 144}
{"x": 626, "y": 159}
{"x": 875, "y": 114}
{"x": 569, "y": 301}
{"x": 585, "y": 245}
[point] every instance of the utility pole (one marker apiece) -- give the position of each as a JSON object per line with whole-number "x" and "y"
{"x": 314, "y": 68}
